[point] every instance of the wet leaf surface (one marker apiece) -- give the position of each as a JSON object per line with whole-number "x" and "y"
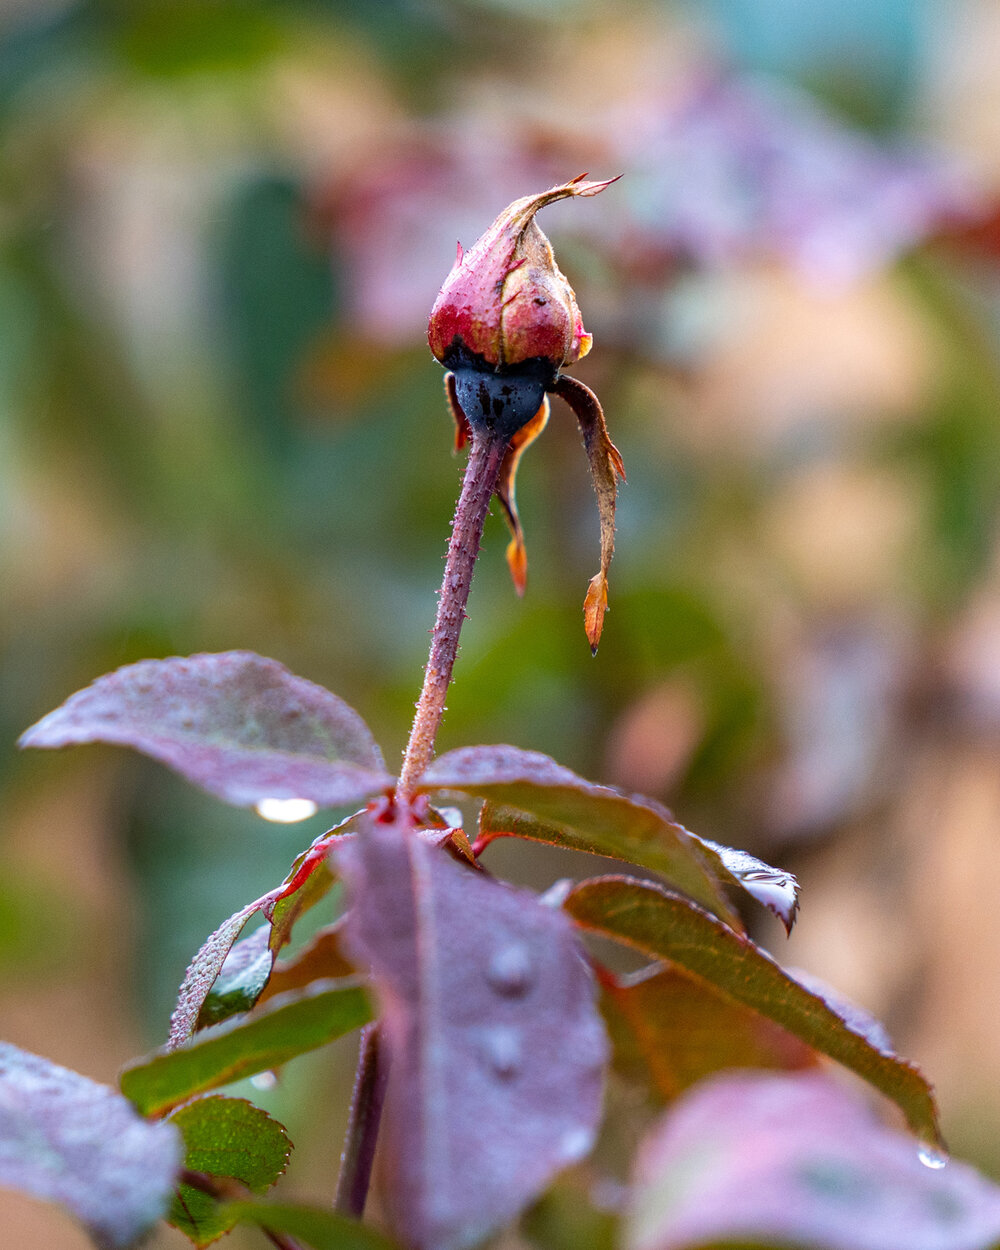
{"x": 67, "y": 1139}
{"x": 529, "y": 795}
{"x": 799, "y": 1160}
{"x": 226, "y": 1137}
{"x": 239, "y": 726}
{"x": 645, "y": 916}
{"x": 241, "y": 980}
{"x": 774, "y": 889}
{"x": 496, "y": 1047}
{"x": 671, "y": 1029}
{"x": 308, "y": 881}
{"x": 288, "y": 1026}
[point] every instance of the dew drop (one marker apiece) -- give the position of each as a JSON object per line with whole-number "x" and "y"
{"x": 931, "y": 1158}
{"x": 264, "y": 1080}
{"x": 511, "y": 971}
{"x": 503, "y": 1052}
{"x": 286, "y": 811}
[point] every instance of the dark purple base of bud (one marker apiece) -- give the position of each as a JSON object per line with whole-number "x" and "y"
{"x": 498, "y": 402}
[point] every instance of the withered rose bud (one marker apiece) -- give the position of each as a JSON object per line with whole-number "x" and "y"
{"x": 506, "y": 320}
{"x": 504, "y": 324}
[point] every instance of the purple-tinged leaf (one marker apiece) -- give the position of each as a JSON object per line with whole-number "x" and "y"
{"x": 671, "y": 1029}
{"x": 237, "y": 725}
{"x": 496, "y": 1047}
{"x": 774, "y": 889}
{"x": 66, "y": 1139}
{"x": 288, "y": 1026}
{"x": 662, "y": 925}
{"x": 545, "y": 802}
{"x": 798, "y": 1160}
{"x": 224, "y": 1137}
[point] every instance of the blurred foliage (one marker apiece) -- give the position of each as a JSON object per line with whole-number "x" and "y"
{"x": 221, "y": 228}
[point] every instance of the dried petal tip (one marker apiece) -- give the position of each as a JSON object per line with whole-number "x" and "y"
{"x": 506, "y": 319}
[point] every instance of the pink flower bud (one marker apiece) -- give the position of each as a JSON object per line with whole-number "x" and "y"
{"x": 507, "y": 309}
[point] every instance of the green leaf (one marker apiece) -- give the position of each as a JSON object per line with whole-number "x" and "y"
{"x": 241, "y": 980}
{"x": 308, "y": 880}
{"x": 66, "y": 1139}
{"x": 660, "y": 924}
{"x": 224, "y": 1137}
{"x": 529, "y": 795}
{"x": 290, "y": 1025}
{"x": 320, "y": 1228}
{"x": 671, "y": 1029}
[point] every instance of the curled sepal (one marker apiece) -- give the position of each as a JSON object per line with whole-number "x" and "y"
{"x": 463, "y": 432}
{"x": 517, "y": 556}
{"x": 606, "y": 467}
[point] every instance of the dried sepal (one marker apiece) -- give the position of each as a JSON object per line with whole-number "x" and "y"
{"x": 463, "y": 431}
{"x": 517, "y": 556}
{"x": 606, "y": 467}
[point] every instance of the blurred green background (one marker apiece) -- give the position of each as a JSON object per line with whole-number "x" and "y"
{"x": 222, "y": 226}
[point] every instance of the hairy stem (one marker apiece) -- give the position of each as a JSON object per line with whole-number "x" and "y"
{"x": 481, "y": 474}
{"x": 362, "y": 1130}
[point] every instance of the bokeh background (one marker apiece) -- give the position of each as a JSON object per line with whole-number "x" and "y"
{"x": 221, "y": 229}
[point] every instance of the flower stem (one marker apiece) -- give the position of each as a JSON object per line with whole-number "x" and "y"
{"x": 358, "y": 1157}
{"x": 481, "y": 474}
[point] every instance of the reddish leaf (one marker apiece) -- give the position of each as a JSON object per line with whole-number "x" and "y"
{"x": 672, "y": 1029}
{"x": 68, "y": 1140}
{"x": 798, "y": 1160}
{"x": 543, "y": 801}
{"x": 322, "y": 957}
{"x": 241, "y": 727}
{"x": 660, "y": 924}
{"x": 496, "y": 1047}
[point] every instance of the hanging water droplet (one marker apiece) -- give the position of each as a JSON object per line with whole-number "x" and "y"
{"x": 264, "y": 1080}
{"x": 931, "y": 1158}
{"x": 510, "y": 970}
{"x": 286, "y": 811}
{"x": 503, "y": 1052}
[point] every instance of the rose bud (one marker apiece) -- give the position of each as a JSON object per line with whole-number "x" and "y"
{"x": 504, "y": 324}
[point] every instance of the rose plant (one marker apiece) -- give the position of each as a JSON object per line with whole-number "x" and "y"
{"x": 494, "y": 1033}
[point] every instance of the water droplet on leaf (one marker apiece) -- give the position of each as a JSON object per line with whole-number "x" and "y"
{"x": 510, "y": 971}
{"x": 264, "y": 1080}
{"x": 286, "y": 811}
{"x": 503, "y": 1052}
{"x": 931, "y": 1158}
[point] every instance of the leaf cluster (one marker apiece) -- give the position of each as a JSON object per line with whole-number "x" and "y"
{"x": 497, "y": 1015}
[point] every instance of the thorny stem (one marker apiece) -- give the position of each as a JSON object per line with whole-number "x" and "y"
{"x": 482, "y": 471}
{"x": 481, "y": 474}
{"x": 362, "y": 1130}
